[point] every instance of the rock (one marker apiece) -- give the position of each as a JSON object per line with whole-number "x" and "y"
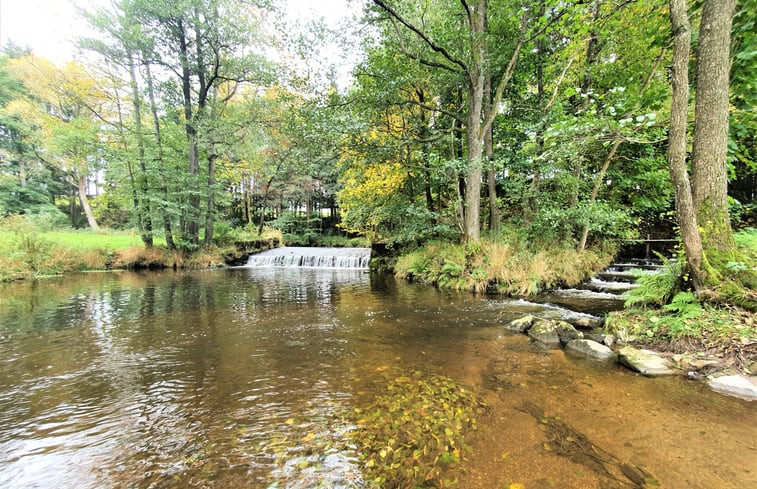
{"x": 552, "y": 333}
{"x": 591, "y": 349}
{"x": 609, "y": 341}
{"x": 645, "y": 362}
{"x": 545, "y": 332}
{"x": 522, "y": 324}
{"x": 704, "y": 362}
{"x": 567, "y": 332}
{"x": 587, "y": 322}
{"x": 734, "y": 385}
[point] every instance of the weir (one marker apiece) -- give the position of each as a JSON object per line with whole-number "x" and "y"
{"x": 312, "y": 257}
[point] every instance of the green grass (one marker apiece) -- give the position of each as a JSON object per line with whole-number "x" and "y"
{"x": 746, "y": 240}
{"x": 87, "y": 240}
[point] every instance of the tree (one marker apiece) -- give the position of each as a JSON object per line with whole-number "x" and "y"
{"x": 701, "y": 201}
{"x": 67, "y": 106}
{"x": 464, "y": 53}
{"x": 710, "y": 145}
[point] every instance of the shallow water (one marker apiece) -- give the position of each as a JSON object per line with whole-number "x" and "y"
{"x": 230, "y": 378}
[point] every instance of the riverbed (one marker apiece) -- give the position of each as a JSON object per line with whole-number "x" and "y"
{"x": 230, "y": 378}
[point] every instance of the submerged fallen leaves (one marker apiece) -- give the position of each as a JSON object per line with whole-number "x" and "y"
{"x": 412, "y": 432}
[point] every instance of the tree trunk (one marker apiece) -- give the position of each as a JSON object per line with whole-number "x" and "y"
{"x": 81, "y": 187}
{"x": 191, "y": 226}
{"x": 144, "y": 211}
{"x": 474, "y": 134}
{"x": 167, "y": 227}
{"x": 685, "y": 211}
{"x": 210, "y": 216}
{"x": 710, "y": 147}
{"x": 489, "y": 153}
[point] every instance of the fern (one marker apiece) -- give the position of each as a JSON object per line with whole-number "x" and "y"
{"x": 656, "y": 288}
{"x": 685, "y": 305}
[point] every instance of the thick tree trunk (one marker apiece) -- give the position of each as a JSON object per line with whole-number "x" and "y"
{"x": 685, "y": 211}
{"x": 81, "y": 187}
{"x": 710, "y": 148}
{"x": 474, "y": 133}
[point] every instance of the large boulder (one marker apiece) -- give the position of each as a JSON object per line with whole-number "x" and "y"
{"x": 522, "y": 324}
{"x": 591, "y": 349}
{"x": 553, "y": 333}
{"x": 645, "y": 362}
{"x": 734, "y": 385}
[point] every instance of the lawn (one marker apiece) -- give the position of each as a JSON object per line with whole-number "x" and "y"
{"x": 87, "y": 240}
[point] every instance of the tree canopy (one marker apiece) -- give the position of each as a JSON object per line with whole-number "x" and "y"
{"x": 184, "y": 119}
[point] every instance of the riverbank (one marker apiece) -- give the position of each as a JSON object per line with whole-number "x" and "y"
{"x": 506, "y": 266}
{"x": 28, "y": 252}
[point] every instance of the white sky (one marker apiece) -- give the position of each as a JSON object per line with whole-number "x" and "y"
{"x": 50, "y": 27}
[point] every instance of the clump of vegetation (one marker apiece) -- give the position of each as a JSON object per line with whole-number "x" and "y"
{"x": 416, "y": 429}
{"x": 507, "y": 266}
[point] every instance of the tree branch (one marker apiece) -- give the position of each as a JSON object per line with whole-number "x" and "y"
{"x": 430, "y": 43}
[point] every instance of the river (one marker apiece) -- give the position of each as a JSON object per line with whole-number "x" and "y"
{"x": 222, "y": 378}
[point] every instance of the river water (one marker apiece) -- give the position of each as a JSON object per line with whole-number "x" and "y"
{"x": 227, "y": 378}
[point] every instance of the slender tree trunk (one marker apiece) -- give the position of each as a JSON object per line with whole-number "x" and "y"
{"x": 81, "y": 187}
{"x": 679, "y": 175}
{"x": 211, "y": 208}
{"x": 424, "y": 132}
{"x": 167, "y": 227}
{"x": 710, "y": 147}
{"x": 190, "y": 223}
{"x": 144, "y": 211}
{"x": 616, "y": 144}
{"x": 489, "y": 154}
{"x": 21, "y": 172}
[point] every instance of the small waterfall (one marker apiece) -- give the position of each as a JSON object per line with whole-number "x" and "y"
{"x": 312, "y": 257}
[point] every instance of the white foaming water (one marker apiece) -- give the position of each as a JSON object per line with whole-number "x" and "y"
{"x": 312, "y": 257}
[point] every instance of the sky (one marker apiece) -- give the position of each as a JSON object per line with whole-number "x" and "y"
{"x": 50, "y": 27}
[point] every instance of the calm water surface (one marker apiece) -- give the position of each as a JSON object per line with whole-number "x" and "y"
{"x": 229, "y": 378}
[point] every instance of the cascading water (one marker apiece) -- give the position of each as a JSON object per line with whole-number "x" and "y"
{"x": 312, "y": 257}
{"x": 603, "y": 292}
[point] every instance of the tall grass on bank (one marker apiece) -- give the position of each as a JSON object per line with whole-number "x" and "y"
{"x": 507, "y": 267}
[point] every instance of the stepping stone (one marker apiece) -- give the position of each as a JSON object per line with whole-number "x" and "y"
{"x": 591, "y": 349}
{"x": 734, "y": 385}
{"x": 645, "y": 362}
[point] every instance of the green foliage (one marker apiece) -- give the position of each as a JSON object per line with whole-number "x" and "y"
{"x": 687, "y": 321}
{"x": 656, "y": 288}
{"x": 414, "y": 430}
{"x": 561, "y": 224}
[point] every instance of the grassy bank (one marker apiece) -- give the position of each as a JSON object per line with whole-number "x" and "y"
{"x": 29, "y": 252}
{"x": 507, "y": 266}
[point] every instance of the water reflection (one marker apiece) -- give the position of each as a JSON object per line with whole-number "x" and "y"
{"x": 241, "y": 377}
